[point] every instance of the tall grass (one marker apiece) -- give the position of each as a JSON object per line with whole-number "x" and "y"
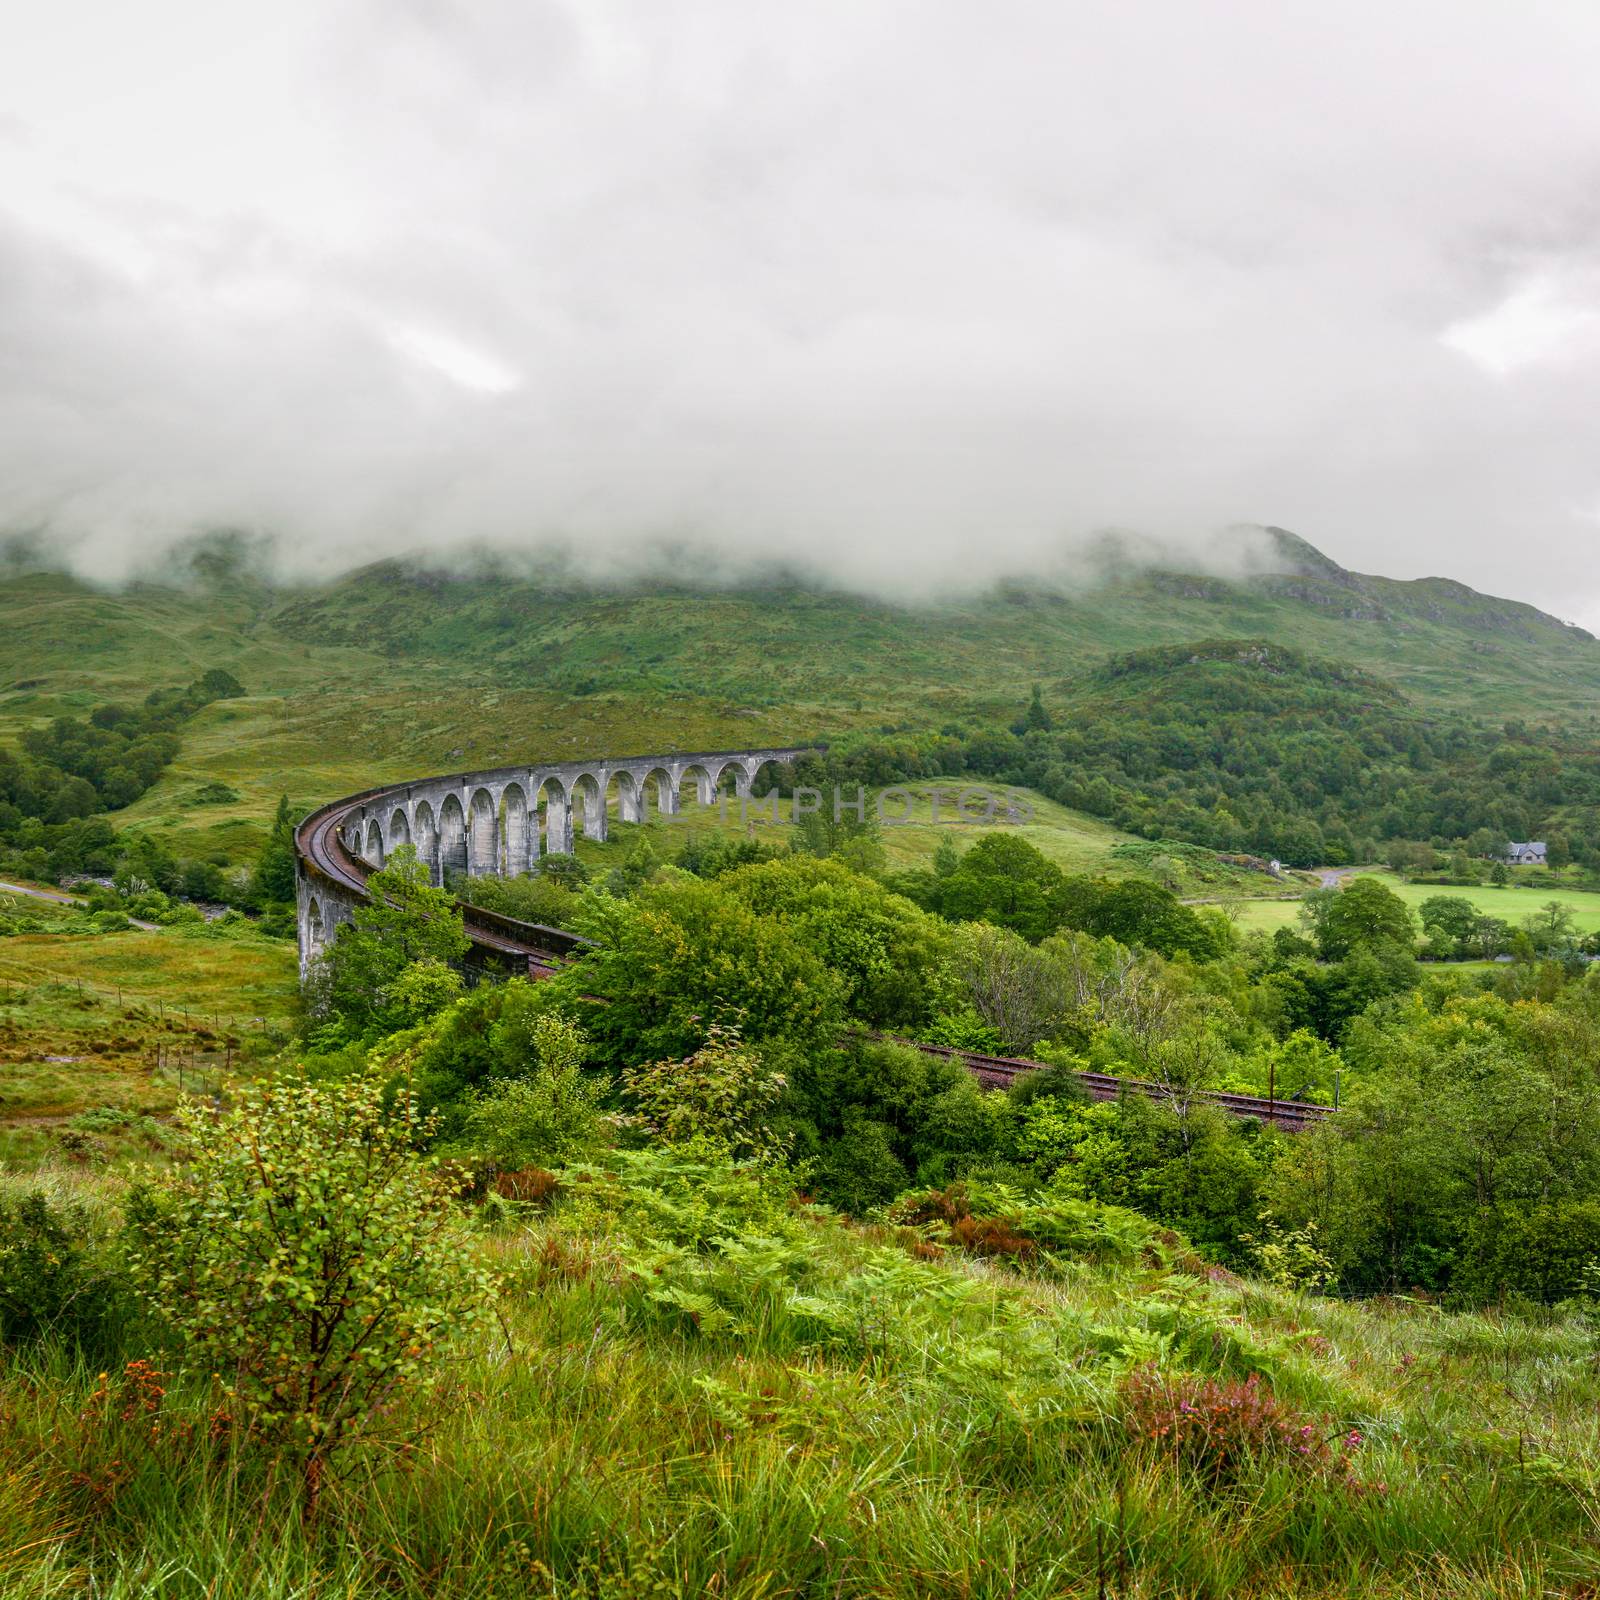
{"x": 801, "y": 1408}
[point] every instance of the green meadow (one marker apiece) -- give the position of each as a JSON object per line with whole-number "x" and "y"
{"x": 113, "y": 1027}
{"x": 1511, "y": 903}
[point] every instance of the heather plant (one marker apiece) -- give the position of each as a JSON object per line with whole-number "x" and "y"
{"x": 1219, "y": 1428}
{"x": 306, "y": 1256}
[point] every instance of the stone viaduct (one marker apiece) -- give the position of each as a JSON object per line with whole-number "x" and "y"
{"x": 501, "y": 821}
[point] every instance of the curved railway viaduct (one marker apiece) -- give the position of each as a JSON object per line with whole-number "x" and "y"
{"x": 500, "y": 821}
{"x": 506, "y": 820}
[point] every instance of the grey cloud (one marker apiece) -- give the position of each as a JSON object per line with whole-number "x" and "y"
{"x": 906, "y": 294}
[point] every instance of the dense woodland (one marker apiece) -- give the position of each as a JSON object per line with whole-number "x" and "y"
{"x": 775, "y": 958}
{"x": 1245, "y": 746}
{"x": 57, "y": 786}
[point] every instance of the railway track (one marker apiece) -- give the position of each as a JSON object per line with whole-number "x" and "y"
{"x": 1000, "y": 1072}
{"x": 324, "y": 855}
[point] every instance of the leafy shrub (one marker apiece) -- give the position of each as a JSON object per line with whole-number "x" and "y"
{"x": 551, "y": 1113}
{"x": 719, "y": 1098}
{"x": 50, "y": 1279}
{"x": 858, "y": 1168}
{"x": 539, "y": 898}
{"x": 309, "y": 1258}
{"x": 213, "y": 793}
{"x": 485, "y": 1035}
{"x": 962, "y": 1029}
{"x": 105, "y": 1119}
{"x": 1290, "y": 1257}
{"x": 420, "y": 991}
{"x": 1541, "y": 1253}
{"x": 880, "y": 1116}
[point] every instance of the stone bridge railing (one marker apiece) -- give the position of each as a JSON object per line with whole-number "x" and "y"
{"x": 501, "y": 821}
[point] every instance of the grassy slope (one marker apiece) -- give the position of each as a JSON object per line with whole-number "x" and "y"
{"x": 1074, "y": 841}
{"x": 96, "y": 1020}
{"x": 870, "y": 1427}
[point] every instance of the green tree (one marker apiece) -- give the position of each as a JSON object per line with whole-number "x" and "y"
{"x": 680, "y": 955}
{"x": 218, "y": 685}
{"x": 888, "y": 953}
{"x": 1035, "y": 719}
{"x": 1552, "y": 927}
{"x": 1451, "y": 914}
{"x": 307, "y": 1256}
{"x": 1134, "y": 912}
{"x": 837, "y": 829}
{"x": 272, "y": 882}
{"x": 1007, "y": 881}
{"x": 407, "y": 921}
{"x": 1361, "y": 915}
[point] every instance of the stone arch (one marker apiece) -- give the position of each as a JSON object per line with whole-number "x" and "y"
{"x": 553, "y": 799}
{"x": 374, "y": 847}
{"x": 482, "y": 856}
{"x": 589, "y": 802}
{"x": 665, "y": 788}
{"x": 426, "y": 839}
{"x": 768, "y": 775}
{"x": 452, "y": 837}
{"x": 705, "y": 786}
{"x": 515, "y": 833}
{"x": 733, "y": 777}
{"x": 399, "y": 830}
{"x": 630, "y": 795}
{"x": 316, "y": 930}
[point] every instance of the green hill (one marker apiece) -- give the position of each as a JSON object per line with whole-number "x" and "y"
{"x": 1440, "y": 642}
{"x": 397, "y": 669}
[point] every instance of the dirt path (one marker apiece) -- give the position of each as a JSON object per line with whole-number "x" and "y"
{"x": 56, "y": 897}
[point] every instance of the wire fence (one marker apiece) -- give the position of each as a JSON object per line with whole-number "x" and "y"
{"x": 124, "y": 997}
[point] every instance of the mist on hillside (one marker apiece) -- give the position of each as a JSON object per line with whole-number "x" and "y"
{"x": 903, "y": 299}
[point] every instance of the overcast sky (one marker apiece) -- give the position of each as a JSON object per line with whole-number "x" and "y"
{"x": 901, "y": 290}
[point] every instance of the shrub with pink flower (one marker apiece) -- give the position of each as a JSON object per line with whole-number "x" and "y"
{"x": 1218, "y": 1427}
